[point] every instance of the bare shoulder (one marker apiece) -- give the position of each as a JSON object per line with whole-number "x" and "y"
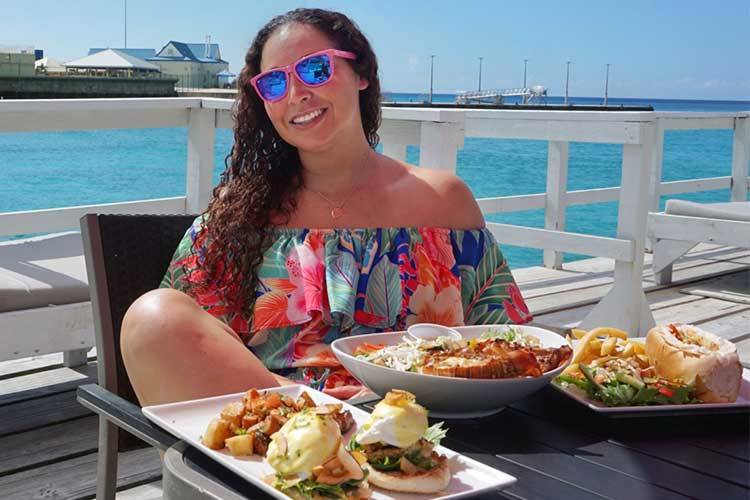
{"x": 444, "y": 199}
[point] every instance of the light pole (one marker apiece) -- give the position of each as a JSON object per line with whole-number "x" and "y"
{"x": 432, "y": 62}
{"x": 524, "y": 79}
{"x": 567, "y": 80}
{"x": 606, "y": 86}
{"x": 126, "y": 24}
{"x": 480, "y": 74}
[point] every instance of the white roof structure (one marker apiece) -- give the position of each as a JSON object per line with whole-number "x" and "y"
{"x": 111, "y": 59}
{"x": 50, "y": 63}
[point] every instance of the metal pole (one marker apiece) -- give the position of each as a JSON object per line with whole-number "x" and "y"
{"x": 606, "y": 86}
{"x": 432, "y": 61}
{"x": 126, "y": 24}
{"x": 524, "y": 79}
{"x": 480, "y": 74}
{"x": 567, "y": 80}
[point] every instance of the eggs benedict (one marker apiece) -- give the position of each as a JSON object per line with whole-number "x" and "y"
{"x": 311, "y": 462}
{"x": 399, "y": 447}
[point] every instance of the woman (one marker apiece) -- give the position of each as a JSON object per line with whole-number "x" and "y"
{"x": 311, "y": 234}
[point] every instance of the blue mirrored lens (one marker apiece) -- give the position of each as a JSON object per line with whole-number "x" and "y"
{"x": 273, "y": 85}
{"x": 314, "y": 70}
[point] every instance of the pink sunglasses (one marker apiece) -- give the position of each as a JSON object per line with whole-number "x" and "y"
{"x": 312, "y": 70}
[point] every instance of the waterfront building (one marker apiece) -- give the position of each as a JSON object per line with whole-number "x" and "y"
{"x": 143, "y": 54}
{"x": 192, "y": 64}
{"x": 226, "y": 78}
{"x": 112, "y": 63}
{"x": 49, "y": 66}
{"x": 17, "y": 61}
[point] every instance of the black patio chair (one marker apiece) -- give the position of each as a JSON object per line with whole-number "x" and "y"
{"x": 126, "y": 256}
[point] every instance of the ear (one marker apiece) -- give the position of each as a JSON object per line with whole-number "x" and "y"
{"x": 363, "y": 83}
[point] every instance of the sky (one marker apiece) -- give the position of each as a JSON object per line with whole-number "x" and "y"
{"x": 656, "y": 48}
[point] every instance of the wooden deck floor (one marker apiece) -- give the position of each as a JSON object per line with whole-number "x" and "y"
{"x": 48, "y": 441}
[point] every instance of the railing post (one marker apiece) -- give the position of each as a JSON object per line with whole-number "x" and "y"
{"x": 740, "y": 158}
{"x": 439, "y": 143}
{"x": 654, "y": 185}
{"x": 557, "y": 188}
{"x": 625, "y": 305}
{"x": 200, "y": 158}
{"x": 393, "y": 143}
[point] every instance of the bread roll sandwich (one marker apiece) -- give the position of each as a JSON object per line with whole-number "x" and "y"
{"x": 687, "y": 354}
{"x": 399, "y": 447}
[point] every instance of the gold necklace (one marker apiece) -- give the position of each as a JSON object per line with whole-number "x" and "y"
{"x": 337, "y": 209}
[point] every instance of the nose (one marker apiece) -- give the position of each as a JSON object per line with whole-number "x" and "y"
{"x": 298, "y": 91}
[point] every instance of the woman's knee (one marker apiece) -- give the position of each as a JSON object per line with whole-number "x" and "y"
{"x": 156, "y": 319}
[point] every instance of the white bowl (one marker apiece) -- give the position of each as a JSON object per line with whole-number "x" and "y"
{"x": 431, "y": 331}
{"x": 447, "y": 397}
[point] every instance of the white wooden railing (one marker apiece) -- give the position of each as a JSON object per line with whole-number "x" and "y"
{"x": 439, "y": 133}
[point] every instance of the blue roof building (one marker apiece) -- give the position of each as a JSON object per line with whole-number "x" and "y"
{"x": 193, "y": 64}
{"x": 180, "y": 51}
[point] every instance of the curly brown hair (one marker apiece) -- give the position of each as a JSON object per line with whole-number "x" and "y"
{"x": 263, "y": 172}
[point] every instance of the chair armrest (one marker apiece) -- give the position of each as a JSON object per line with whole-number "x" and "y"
{"x": 124, "y": 415}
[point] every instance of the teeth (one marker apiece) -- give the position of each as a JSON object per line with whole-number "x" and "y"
{"x": 309, "y": 116}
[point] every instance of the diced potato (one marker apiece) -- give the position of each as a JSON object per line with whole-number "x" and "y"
{"x": 240, "y": 446}
{"x": 233, "y": 413}
{"x": 249, "y": 397}
{"x": 305, "y": 401}
{"x": 271, "y": 424}
{"x": 218, "y": 430}
{"x": 249, "y": 420}
{"x": 273, "y": 400}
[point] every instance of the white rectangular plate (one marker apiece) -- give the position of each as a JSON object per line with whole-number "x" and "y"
{"x": 741, "y": 405}
{"x": 188, "y": 420}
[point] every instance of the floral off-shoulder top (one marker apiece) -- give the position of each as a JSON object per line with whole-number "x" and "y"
{"x": 316, "y": 285}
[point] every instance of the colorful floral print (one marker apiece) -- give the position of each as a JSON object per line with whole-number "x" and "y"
{"x": 318, "y": 285}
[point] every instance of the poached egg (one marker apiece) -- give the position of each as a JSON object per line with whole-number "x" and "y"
{"x": 305, "y": 441}
{"x": 397, "y": 420}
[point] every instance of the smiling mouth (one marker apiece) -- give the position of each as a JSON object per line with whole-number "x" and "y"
{"x": 308, "y": 117}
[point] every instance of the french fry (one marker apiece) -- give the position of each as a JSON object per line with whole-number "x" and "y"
{"x": 591, "y": 335}
{"x": 578, "y": 333}
{"x": 608, "y": 331}
{"x": 571, "y": 369}
{"x": 628, "y": 350}
{"x": 639, "y": 347}
{"x": 608, "y": 346}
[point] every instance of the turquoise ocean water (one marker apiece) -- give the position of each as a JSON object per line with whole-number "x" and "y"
{"x": 56, "y": 169}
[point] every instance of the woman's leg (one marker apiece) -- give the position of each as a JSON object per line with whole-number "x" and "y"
{"x": 174, "y": 351}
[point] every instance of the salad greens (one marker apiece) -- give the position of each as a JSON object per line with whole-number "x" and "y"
{"x": 626, "y": 390}
{"x": 308, "y": 488}
{"x": 435, "y": 433}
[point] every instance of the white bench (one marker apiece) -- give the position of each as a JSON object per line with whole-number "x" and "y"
{"x": 684, "y": 224}
{"x": 44, "y": 298}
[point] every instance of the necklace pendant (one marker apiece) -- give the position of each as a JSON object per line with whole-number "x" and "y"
{"x": 337, "y": 212}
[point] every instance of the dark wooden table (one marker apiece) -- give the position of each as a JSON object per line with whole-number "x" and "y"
{"x": 557, "y": 449}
